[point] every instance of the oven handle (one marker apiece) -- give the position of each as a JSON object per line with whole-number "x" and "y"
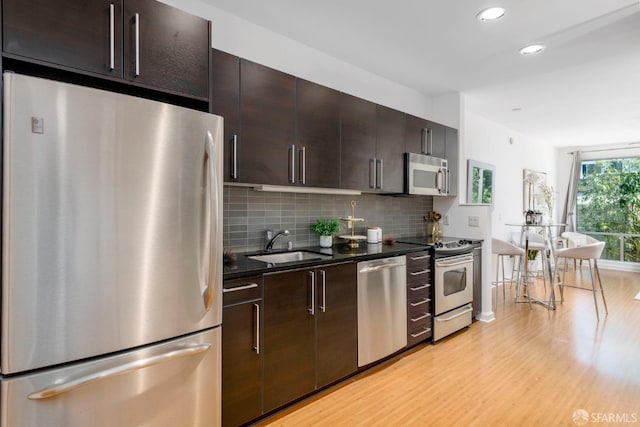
{"x": 453, "y": 264}
{"x": 462, "y": 313}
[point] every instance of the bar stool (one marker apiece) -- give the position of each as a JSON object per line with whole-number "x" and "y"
{"x": 589, "y": 252}
{"x": 504, "y": 249}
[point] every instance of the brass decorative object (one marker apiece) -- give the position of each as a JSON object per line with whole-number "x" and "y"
{"x": 353, "y": 238}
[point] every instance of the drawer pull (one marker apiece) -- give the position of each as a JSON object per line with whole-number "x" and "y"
{"x": 415, "y": 258}
{"x": 240, "y": 288}
{"x": 419, "y": 288}
{"x": 417, "y": 273}
{"x": 424, "y": 316}
{"x": 462, "y": 313}
{"x": 424, "y": 301}
{"x": 426, "y": 330}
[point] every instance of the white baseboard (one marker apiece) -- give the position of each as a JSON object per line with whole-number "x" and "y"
{"x": 486, "y": 317}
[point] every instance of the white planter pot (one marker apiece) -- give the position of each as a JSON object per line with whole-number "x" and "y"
{"x": 326, "y": 241}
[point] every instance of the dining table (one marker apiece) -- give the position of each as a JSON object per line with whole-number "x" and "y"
{"x": 547, "y": 258}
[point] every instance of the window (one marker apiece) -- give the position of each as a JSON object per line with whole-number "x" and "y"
{"x": 608, "y": 206}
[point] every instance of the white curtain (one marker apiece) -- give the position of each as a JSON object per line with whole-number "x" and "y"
{"x": 569, "y": 212}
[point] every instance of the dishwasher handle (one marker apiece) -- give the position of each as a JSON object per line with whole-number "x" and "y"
{"x": 381, "y": 267}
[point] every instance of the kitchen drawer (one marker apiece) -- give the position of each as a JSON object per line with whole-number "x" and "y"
{"x": 419, "y": 275}
{"x": 418, "y": 260}
{"x": 452, "y": 321}
{"x": 417, "y": 291}
{"x": 419, "y": 333}
{"x": 239, "y": 290}
{"x": 421, "y": 304}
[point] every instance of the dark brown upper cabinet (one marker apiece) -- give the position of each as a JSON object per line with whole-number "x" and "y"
{"x": 372, "y": 146}
{"x": 425, "y": 137}
{"x": 318, "y": 135}
{"x": 390, "y": 146}
{"x": 225, "y": 102}
{"x": 358, "y": 159}
{"x": 166, "y": 48}
{"x": 76, "y": 33}
{"x": 267, "y": 153}
{"x": 144, "y": 42}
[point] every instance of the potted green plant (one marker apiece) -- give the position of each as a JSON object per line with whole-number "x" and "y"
{"x": 326, "y": 228}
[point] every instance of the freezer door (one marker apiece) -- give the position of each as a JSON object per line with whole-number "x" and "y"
{"x": 173, "y": 384}
{"x": 112, "y": 222}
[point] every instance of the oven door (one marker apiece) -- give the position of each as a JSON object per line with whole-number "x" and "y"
{"x": 454, "y": 282}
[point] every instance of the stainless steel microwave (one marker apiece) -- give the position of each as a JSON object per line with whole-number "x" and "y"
{"x": 426, "y": 175}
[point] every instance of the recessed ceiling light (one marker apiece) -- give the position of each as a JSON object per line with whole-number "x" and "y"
{"x": 491, "y": 14}
{"x": 532, "y": 49}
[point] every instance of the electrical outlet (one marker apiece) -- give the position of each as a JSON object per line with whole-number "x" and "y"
{"x": 445, "y": 219}
{"x": 474, "y": 221}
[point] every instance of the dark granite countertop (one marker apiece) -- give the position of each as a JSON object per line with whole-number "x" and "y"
{"x": 243, "y": 266}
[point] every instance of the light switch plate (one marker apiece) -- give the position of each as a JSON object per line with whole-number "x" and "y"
{"x": 474, "y": 221}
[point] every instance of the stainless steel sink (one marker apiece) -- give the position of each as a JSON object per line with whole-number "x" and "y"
{"x": 283, "y": 257}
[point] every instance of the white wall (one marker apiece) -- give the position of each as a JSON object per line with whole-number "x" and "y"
{"x": 511, "y": 153}
{"x": 247, "y": 40}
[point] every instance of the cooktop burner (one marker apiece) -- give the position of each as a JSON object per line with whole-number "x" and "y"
{"x": 445, "y": 247}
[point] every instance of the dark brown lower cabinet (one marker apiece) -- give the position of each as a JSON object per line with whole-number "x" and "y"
{"x": 310, "y": 333}
{"x": 419, "y": 297}
{"x": 241, "y": 351}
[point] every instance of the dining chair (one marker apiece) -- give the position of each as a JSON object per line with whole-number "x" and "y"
{"x": 590, "y": 252}
{"x": 504, "y": 249}
{"x": 577, "y": 239}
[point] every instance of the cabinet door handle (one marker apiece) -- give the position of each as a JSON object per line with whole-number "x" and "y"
{"x": 312, "y": 310}
{"x": 240, "y": 288}
{"x": 372, "y": 173}
{"x": 234, "y": 157}
{"x": 292, "y": 164}
{"x": 257, "y": 346}
{"x": 419, "y": 288}
{"x": 302, "y": 168}
{"x": 423, "y": 141}
{"x": 323, "y": 276}
{"x": 426, "y": 330}
{"x": 419, "y": 257}
{"x": 418, "y": 273}
{"x": 424, "y": 301}
{"x": 137, "y": 43}
{"x": 379, "y": 177}
{"x": 112, "y": 35}
{"x": 424, "y": 316}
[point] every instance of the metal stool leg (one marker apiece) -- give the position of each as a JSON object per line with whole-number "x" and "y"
{"x": 597, "y": 270}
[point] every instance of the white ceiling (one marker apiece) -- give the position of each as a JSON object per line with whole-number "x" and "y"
{"x": 584, "y": 89}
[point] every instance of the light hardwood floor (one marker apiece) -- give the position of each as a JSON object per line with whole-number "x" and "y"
{"x": 530, "y": 367}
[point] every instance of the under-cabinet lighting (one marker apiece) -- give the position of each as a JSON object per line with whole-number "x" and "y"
{"x": 308, "y": 190}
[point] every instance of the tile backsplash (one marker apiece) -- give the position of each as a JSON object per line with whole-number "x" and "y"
{"x": 248, "y": 213}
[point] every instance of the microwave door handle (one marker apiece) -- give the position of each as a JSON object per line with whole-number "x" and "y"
{"x": 439, "y": 181}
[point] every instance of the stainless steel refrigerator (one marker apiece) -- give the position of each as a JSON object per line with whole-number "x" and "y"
{"x": 111, "y": 259}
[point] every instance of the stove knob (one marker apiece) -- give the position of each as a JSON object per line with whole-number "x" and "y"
{"x": 462, "y": 242}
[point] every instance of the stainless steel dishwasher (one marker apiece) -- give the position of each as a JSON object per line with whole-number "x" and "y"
{"x": 382, "y": 308}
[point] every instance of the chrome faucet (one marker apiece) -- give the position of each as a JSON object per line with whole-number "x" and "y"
{"x": 271, "y": 241}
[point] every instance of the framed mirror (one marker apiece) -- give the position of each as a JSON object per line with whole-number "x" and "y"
{"x": 481, "y": 178}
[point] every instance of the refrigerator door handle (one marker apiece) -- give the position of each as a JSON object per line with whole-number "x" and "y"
{"x": 180, "y": 351}
{"x": 213, "y": 195}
